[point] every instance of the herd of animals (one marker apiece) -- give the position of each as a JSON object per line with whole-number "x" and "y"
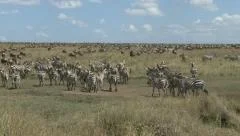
{"x": 56, "y": 71}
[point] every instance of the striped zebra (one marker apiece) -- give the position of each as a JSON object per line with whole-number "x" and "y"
{"x": 82, "y": 76}
{"x": 123, "y": 72}
{"x": 113, "y": 79}
{"x": 16, "y": 80}
{"x": 184, "y": 86}
{"x": 197, "y": 85}
{"x": 174, "y": 83}
{"x": 41, "y": 77}
{"x": 193, "y": 70}
{"x": 100, "y": 78}
{"x": 192, "y": 84}
{"x": 159, "y": 82}
{"x": 124, "y": 75}
{"x": 62, "y": 75}
{"x": 71, "y": 81}
{"x": 53, "y": 76}
{"x": 4, "y": 77}
{"x": 91, "y": 82}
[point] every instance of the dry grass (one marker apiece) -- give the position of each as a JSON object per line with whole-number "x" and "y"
{"x": 32, "y": 111}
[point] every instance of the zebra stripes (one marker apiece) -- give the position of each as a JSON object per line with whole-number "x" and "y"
{"x": 16, "y": 80}
{"x": 71, "y": 81}
{"x": 41, "y": 77}
{"x": 165, "y": 79}
{"x": 92, "y": 82}
{"x": 4, "y": 77}
{"x": 113, "y": 79}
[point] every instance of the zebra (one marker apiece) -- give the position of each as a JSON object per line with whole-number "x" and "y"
{"x": 123, "y": 75}
{"x": 192, "y": 84}
{"x": 62, "y": 75}
{"x": 184, "y": 86}
{"x": 123, "y": 72}
{"x": 198, "y": 85}
{"x": 41, "y": 76}
{"x": 174, "y": 82}
{"x": 16, "y": 80}
{"x": 71, "y": 81}
{"x": 193, "y": 70}
{"x": 82, "y": 76}
{"x": 150, "y": 73}
{"x": 207, "y": 57}
{"x": 53, "y": 75}
{"x": 91, "y": 82}
{"x": 100, "y": 78}
{"x": 159, "y": 82}
{"x": 113, "y": 78}
{"x": 4, "y": 77}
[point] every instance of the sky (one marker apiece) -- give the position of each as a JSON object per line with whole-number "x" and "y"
{"x": 153, "y": 21}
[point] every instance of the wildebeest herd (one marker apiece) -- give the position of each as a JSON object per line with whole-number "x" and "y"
{"x": 56, "y": 71}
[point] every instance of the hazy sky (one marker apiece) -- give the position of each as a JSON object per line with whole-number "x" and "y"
{"x": 120, "y": 20}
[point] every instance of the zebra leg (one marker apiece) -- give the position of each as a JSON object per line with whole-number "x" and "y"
{"x": 173, "y": 92}
{"x": 197, "y": 92}
{"x": 159, "y": 92}
{"x": 110, "y": 87}
{"x": 89, "y": 89}
{"x": 15, "y": 85}
{"x": 101, "y": 86}
{"x": 193, "y": 92}
{"x": 179, "y": 91}
{"x": 153, "y": 91}
{"x": 165, "y": 91}
{"x": 50, "y": 81}
{"x": 116, "y": 87}
{"x": 95, "y": 89}
{"x": 42, "y": 83}
{"x": 60, "y": 82}
{"x": 68, "y": 86}
{"x": 55, "y": 80}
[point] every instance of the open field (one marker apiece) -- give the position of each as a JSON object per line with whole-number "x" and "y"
{"x": 54, "y": 111}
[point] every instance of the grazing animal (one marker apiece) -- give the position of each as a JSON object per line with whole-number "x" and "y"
{"x": 174, "y": 82}
{"x": 100, "y": 78}
{"x": 16, "y": 80}
{"x": 41, "y": 76}
{"x": 4, "y": 77}
{"x": 53, "y": 76}
{"x": 71, "y": 81}
{"x": 192, "y": 84}
{"x": 113, "y": 80}
{"x": 159, "y": 82}
{"x": 91, "y": 82}
{"x": 183, "y": 57}
{"x": 207, "y": 57}
{"x": 231, "y": 57}
{"x": 197, "y": 85}
{"x": 62, "y": 75}
{"x": 193, "y": 70}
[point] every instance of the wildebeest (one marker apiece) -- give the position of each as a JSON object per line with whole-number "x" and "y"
{"x": 207, "y": 57}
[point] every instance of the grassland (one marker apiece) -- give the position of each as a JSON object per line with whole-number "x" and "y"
{"x": 53, "y": 111}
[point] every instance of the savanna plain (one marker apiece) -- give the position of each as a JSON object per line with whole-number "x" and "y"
{"x": 131, "y": 111}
